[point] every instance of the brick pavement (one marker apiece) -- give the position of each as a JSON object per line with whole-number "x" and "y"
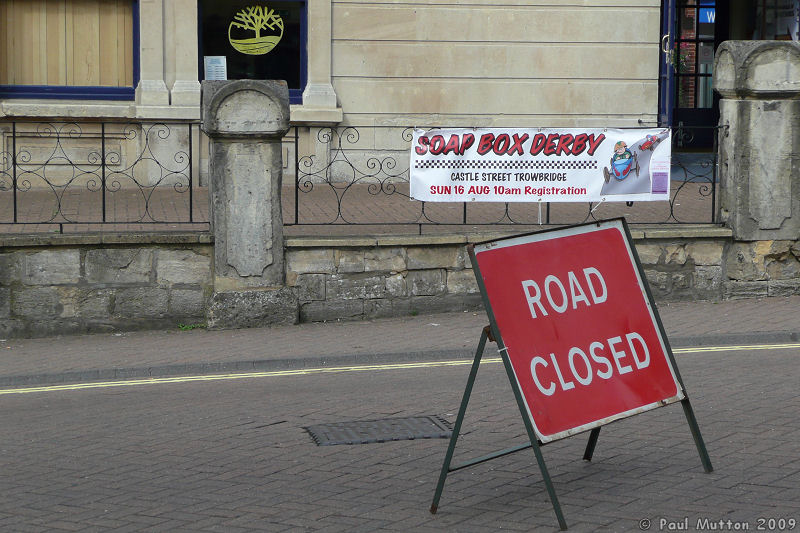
{"x": 233, "y": 456}
{"x": 325, "y": 209}
{"x": 448, "y": 335}
{"x": 78, "y": 209}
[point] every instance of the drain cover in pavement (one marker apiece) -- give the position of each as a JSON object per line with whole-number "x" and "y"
{"x": 387, "y": 429}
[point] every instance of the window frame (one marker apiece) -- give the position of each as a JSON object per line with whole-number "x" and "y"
{"x": 295, "y": 95}
{"x": 85, "y": 92}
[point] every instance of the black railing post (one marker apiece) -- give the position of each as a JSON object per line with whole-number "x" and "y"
{"x": 297, "y": 174}
{"x": 714, "y": 159}
{"x": 103, "y": 166}
{"x": 14, "y": 167}
{"x": 191, "y": 161}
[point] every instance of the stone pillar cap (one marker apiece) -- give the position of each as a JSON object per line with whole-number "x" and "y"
{"x": 245, "y": 108}
{"x": 768, "y": 69}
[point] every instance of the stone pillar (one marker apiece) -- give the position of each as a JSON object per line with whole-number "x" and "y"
{"x": 319, "y": 90}
{"x": 151, "y": 91}
{"x": 184, "y": 87}
{"x": 319, "y": 97}
{"x": 245, "y": 121}
{"x": 759, "y": 154}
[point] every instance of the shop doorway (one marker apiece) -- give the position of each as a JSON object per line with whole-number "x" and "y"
{"x": 692, "y": 30}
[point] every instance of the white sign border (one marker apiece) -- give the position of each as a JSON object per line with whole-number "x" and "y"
{"x": 501, "y": 348}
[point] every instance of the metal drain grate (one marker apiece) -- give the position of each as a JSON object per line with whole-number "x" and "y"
{"x": 387, "y": 429}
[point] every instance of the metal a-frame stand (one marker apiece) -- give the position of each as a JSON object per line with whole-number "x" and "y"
{"x": 535, "y": 443}
{"x": 492, "y": 333}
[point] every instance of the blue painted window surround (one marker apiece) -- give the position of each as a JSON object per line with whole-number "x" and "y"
{"x": 83, "y": 92}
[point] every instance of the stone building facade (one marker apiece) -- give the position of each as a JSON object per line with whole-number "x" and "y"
{"x": 393, "y": 65}
{"x": 410, "y": 63}
{"x": 525, "y": 63}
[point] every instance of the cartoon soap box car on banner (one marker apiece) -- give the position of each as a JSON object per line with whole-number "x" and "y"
{"x": 622, "y": 163}
{"x": 627, "y": 166}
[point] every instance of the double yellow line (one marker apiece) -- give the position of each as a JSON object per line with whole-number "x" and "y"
{"x": 739, "y": 348}
{"x": 337, "y": 370}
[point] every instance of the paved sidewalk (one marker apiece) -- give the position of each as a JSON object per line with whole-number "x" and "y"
{"x": 423, "y": 337}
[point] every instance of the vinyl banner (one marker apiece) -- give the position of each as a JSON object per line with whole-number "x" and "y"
{"x": 540, "y": 165}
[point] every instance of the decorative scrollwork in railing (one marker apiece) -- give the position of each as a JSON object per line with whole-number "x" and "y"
{"x": 340, "y": 175}
{"x": 146, "y": 174}
{"x": 6, "y": 177}
{"x": 351, "y": 179}
{"x": 97, "y": 173}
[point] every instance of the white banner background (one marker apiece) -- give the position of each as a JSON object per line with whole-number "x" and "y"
{"x": 540, "y": 165}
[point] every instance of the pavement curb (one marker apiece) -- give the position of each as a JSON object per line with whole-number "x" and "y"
{"x": 321, "y": 361}
{"x": 263, "y": 365}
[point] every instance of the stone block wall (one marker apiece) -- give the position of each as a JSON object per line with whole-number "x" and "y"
{"x": 762, "y": 268}
{"x": 79, "y": 288}
{"x": 681, "y": 270}
{"x": 63, "y": 284}
{"x": 380, "y": 277}
{"x": 346, "y": 279}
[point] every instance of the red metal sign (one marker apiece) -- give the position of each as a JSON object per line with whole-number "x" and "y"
{"x": 577, "y": 326}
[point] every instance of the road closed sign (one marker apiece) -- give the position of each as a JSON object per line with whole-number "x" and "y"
{"x": 570, "y": 310}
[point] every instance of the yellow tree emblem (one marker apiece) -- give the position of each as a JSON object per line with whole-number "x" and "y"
{"x": 257, "y": 18}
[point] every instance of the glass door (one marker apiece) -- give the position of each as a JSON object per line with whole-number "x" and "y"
{"x": 700, "y": 26}
{"x": 666, "y": 75}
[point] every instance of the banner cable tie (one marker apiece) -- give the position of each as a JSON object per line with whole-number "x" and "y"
{"x": 602, "y": 199}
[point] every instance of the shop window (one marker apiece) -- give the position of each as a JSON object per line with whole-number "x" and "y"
{"x": 694, "y": 57}
{"x": 69, "y": 49}
{"x": 243, "y": 39}
{"x": 777, "y": 19}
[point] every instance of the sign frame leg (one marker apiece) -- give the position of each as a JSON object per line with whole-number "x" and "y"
{"x": 487, "y": 334}
{"x": 459, "y": 419}
{"x": 535, "y": 444}
{"x": 548, "y": 483}
{"x": 694, "y": 427}
{"x": 587, "y": 455}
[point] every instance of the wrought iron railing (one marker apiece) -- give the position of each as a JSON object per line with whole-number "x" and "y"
{"x": 84, "y": 176}
{"x": 345, "y": 178}
{"x": 698, "y": 166}
{"x": 114, "y": 176}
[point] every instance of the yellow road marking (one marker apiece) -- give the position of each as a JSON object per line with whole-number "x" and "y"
{"x": 242, "y": 375}
{"x": 337, "y": 370}
{"x": 740, "y": 348}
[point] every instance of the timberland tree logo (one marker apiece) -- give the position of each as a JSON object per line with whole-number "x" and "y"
{"x": 255, "y": 19}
